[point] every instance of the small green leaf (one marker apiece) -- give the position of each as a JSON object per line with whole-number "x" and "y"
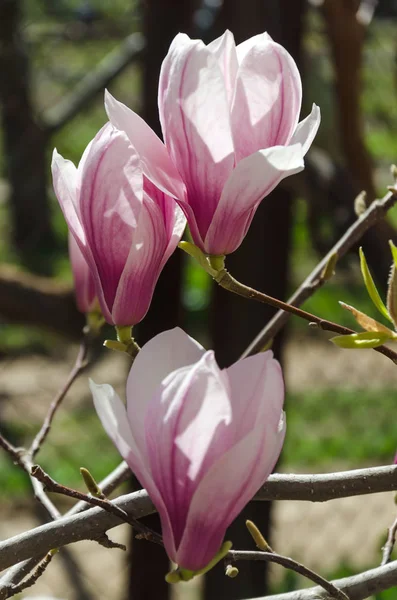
{"x": 371, "y": 287}
{"x": 367, "y": 339}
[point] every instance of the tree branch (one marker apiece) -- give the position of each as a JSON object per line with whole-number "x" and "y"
{"x": 79, "y": 365}
{"x": 376, "y": 211}
{"x": 94, "y": 82}
{"x": 391, "y": 540}
{"x": 227, "y": 281}
{"x": 357, "y": 587}
{"x": 88, "y": 525}
{"x": 289, "y": 563}
{"x": 91, "y": 523}
{"x": 329, "y": 486}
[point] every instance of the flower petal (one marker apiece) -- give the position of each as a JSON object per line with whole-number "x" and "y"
{"x": 231, "y": 483}
{"x": 267, "y": 99}
{"x": 173, "y": 217}
{"x": 163, "y": 354}
{"x": 194, "y": 115}
{"x": 83, "y": 281}
{"x": 306, "y": 130}
{"x": 227, "y": 488}
{"x": 259, "y": 381}
{"x": 191, "y": 414}
{"x": 156, "y": 163}
{"x": 110, "y": 205}
{"x": 224, "y": 49}
{"x": 65, "y": 180}
{"x": 148, "y": 243}
{"x": 253, "y": 179}
{"x": 112, "y": 414}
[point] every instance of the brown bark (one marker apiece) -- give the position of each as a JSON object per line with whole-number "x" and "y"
{"x": 261, "y": 262}
{"x": 24, "y": 147}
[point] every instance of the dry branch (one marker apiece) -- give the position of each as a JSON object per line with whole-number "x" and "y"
{"x": 357, "y": 587}
{"x": 91, "y": 523}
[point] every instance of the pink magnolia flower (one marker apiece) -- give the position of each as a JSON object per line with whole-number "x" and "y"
{"x": 230, "y": 122}
{"x": 84, "y": 286}
{"x": 125, "y": 227}
{"x": 201, "y": 440}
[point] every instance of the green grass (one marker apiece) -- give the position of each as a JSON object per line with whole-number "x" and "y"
{"x": 339, "y": 427}
{"x": 76, "y": 440}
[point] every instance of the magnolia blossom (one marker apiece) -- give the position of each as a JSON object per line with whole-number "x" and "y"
{"x": 84, "y": 286}
{"x": 125, "y": 227}
{"x": 230, "y": 123}
{"x": 201, "y": 440}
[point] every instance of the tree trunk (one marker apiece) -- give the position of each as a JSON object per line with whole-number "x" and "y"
{"x": 24, "y": 147}
{"x": 346, "y": 36}
{"x": 262, "y": 262}
{"x": 162, "y": 21}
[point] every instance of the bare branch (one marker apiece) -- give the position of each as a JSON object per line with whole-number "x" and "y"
{"x": 53, "y": 486}
{"x": 20, "y": 458}
{"x": 291, "y": 564}
{"x": 78, "y": 367}
{"x": 114, "y": 63}
{"x": 388, "y": 547}
{"x": 33, "y": 577}
{"x": 329, "y": 486}
{"x": 376, "y": 211}
{"x": 95, "y": 521}
{"x": 227, "y": 281}
{"x": 357, "y": 587}
{"x": 87, "y": 525}
{"x": 15, "y": 574}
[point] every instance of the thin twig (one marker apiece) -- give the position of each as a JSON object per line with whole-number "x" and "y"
{"x": 33, "y": 577}
{"x": 357, "y": 587}
{"x": 225, "y": 280}
{"x": 16, "y": 573}
{"x": 78, "y": 367}
{"x": 94, "y": 82}
{"x": 19, "y": 457}
{"x": 374, "y": 213}
{"x": 291, "y": 564}
{"x": 15, "y": 453}
{"x": 53, "y": 486}
{"x": 389, "y": 546}
{"x": 94, "y": 521}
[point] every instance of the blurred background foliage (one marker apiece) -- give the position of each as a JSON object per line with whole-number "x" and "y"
{"x": 53, "y": 53}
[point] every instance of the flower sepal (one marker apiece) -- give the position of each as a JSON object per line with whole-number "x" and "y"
{"x": 180, "y": 574}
